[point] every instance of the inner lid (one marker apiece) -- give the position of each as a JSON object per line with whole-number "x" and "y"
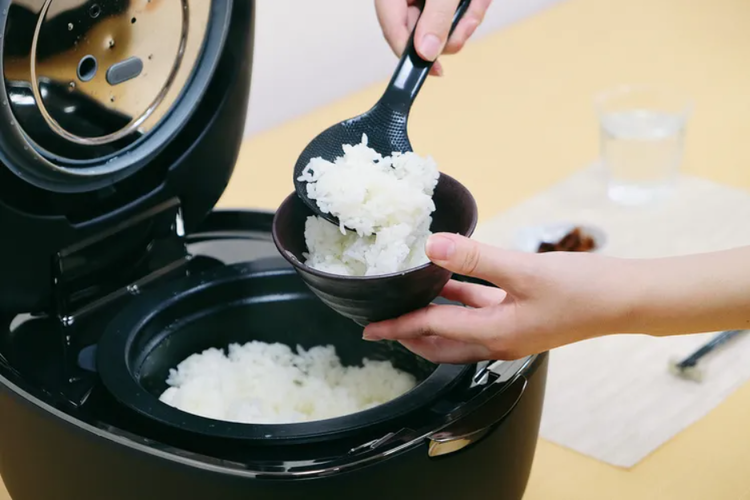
{"x": 98, "y": 72}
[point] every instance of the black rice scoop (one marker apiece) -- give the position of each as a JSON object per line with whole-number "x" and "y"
{"x": 384, "y": 124}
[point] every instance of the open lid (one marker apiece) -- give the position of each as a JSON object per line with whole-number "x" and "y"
{"x": 87, "y": 82}
{"x": 120, "y": 124}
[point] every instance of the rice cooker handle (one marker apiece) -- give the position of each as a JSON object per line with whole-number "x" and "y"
{"x": 412, "y": 71}
{"x": 479, "y": 420}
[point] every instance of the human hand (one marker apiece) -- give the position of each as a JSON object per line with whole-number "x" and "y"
{"x": 545, "y": 301}
{"x": 398, "y": 17}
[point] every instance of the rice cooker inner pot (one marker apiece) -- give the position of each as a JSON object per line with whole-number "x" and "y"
{"x": 237, "y": 304}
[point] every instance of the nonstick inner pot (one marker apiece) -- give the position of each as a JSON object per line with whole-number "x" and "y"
{"x": 237, "y": 304}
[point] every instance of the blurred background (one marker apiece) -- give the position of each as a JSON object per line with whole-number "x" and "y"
{"x": 337, "y": 41}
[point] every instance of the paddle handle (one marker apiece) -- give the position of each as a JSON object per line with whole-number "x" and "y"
{"x": 412, "y": 71}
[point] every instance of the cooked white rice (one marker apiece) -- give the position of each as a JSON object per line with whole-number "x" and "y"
{"x": 385, "y": 201}
{"x": 269, "y": 383}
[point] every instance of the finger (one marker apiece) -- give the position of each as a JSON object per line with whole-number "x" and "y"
{"x": 472, "y": 295}
{"x": 412, "y": 15}
{"x": 448, "y": 321}
{"x": 433, "y": 27}
{"x": 398, "y": 39}
{"x": 393, "y": 16}
{"x": 467, "y": 26}
{"x": 415, "y": 10}
{"x": 464, "y": 256}
{"x": 441, "y": 350}
{"x": 437, "y": 69}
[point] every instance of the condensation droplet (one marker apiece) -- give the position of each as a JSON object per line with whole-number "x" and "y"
{"x": 111, "y": 43}
{"x": 150, "y": 56}
{"x": 112, "y": 99}
{"x": 72, "y": 85}
{"x": 70, "y": 26}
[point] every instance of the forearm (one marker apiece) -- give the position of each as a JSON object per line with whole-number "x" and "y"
{"x": 690, "y": 294}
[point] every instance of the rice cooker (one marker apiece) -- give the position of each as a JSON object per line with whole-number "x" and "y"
{"x": 120, "y": 125}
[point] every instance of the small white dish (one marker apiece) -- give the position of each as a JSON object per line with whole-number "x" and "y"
{"x": 528, "y": 239}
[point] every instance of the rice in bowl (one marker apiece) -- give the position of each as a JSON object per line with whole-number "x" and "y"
{"x": 385, "y": 201}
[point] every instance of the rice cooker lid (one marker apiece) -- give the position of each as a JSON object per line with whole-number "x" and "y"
{"x": 87, "y": 80}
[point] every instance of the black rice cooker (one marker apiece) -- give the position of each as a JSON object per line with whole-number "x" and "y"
{"x": 120, "y": 125}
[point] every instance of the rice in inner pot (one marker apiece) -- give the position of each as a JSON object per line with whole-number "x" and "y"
{"x": 264, "y": 383}
{"x": 385, "y": 201}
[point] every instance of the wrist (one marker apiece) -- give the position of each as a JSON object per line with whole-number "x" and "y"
{"x": 622, "y": 300}
{"x": 640, "y": 297}
{"x": 688, "y": 294}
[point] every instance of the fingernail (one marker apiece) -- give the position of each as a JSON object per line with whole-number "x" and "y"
{"x": 430, "y": 47}
{"x": 438, "y": 68}
{"x": 440, "y": 248}
{"x": 366, "y": 335}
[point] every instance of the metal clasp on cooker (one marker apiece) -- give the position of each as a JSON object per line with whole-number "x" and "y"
{"x": 473, "y": 420}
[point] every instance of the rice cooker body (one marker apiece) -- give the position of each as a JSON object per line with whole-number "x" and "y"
{"x": 48, "y": 454}
{"x": 102, "y": 450}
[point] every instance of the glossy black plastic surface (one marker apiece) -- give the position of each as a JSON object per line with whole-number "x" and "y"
{"x": 81, "y": 462}
{"x": 375, "y": 298}
{"x": 34, "y": 153}
{"x": 193, "y": 166}
{"x": 238, "y": 304}
{"x": 385, "y": 124}
{"x": 103, "y": 450}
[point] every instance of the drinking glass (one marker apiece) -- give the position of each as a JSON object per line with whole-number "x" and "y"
{"x": 642, "y": 141}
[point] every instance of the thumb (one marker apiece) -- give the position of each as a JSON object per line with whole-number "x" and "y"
{"x": 467, "y": 257}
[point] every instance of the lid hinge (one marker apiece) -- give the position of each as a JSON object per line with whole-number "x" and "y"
{"x": 93, "y": 275}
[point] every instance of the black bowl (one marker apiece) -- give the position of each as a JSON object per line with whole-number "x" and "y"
{"x": 370, "y": 299}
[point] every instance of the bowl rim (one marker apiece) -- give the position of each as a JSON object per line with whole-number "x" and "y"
{"x": 292, "y": 259}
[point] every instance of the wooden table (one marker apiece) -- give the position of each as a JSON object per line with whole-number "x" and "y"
{"x": 513, "y": 115}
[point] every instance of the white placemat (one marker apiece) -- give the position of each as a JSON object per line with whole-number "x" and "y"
{"x": 613, "y": 398}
